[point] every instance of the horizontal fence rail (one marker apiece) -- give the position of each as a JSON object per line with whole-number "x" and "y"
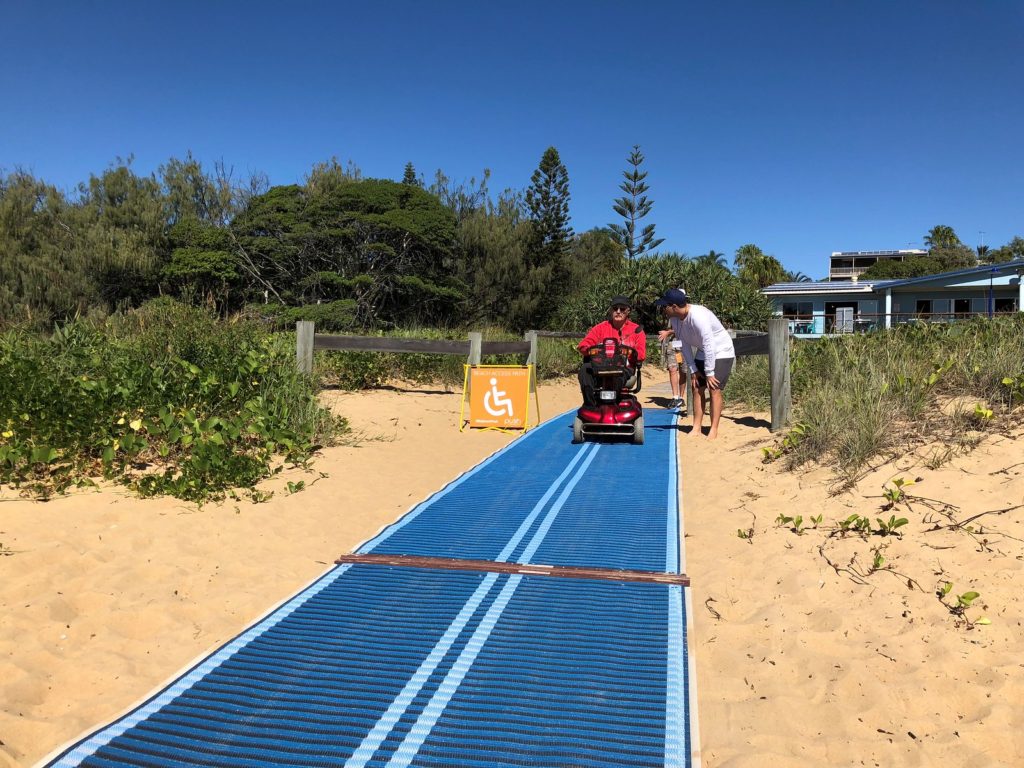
{"x": 562, "y": 334}
{"x": 746, "y": 343}
{"x": 388, "y": 344}
{"x": 418, "y": 346}
{"x": 749, "y": 343}
{"x": 804, "y": 324}
{"x": 473, "y": 348}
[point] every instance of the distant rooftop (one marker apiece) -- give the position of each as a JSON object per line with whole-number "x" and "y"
{"x": 870, "y": 286}
{"x": 847, "y": 265}
{"x": 826, "y": 286}
{"x": 898, "y": 252}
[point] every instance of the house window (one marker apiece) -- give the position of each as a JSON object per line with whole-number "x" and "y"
{"x": 924, "y": 307}
{"x": 1005, "y": 305}
{"x": 961, "y": 307}
{"x": 798, "y": 309}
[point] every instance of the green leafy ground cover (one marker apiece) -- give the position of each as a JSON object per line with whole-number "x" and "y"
{"x": 166, "y": 400}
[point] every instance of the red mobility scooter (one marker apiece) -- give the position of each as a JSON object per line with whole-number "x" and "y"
{"x": 610, "y": 378}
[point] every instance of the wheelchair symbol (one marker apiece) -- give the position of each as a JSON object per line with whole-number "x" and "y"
{"x": 497, "y": 402}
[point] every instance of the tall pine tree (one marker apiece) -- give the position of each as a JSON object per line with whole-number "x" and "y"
{"x": 409, "y": 177}
{"x": 632, "y": 207}
{"x": 547, "y": 203}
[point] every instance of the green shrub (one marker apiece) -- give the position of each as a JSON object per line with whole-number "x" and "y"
{"x": 166, "y": 399}
{"x": 329, "y": 317}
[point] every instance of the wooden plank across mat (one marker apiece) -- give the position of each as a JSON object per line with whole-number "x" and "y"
{"x": 525, "y": 569}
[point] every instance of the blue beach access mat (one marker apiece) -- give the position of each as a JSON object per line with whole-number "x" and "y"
{"x": 385, "y": 664}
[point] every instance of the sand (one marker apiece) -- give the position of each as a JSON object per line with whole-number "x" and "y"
{"x": 105, "y": 596}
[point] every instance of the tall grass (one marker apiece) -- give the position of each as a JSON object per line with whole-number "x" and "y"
{"x": 750, "y": 383}
{"x": 859, "y": 397}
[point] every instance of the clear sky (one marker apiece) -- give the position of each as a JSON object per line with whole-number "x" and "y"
{"x": 802, "y": 126}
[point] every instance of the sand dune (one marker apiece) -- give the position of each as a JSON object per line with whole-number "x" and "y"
{"x": 106, "y": 596}
{"x": 806, "y": 665}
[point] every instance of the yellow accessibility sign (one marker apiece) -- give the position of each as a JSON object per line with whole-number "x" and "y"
{"x": 499, "y": 397}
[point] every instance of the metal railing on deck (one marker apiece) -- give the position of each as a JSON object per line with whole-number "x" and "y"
{"x": 868, "y": 321}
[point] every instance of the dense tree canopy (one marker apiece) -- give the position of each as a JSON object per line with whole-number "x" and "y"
{"x": 945, "y": 254}
{"x": 738, "y": 303}
{"x": 758, "y": 268}
{"x": 42, "y": 274}
{"x": 388, "y": 246}
{"x": 361, "y": 253}
{"x": 1009, "y": 252}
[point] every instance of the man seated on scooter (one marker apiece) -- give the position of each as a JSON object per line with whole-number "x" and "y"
{"x": 618, "y": 326}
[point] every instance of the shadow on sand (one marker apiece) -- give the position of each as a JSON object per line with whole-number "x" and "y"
{"x": 392, "y": 388}
{"x": 749, "y": 421}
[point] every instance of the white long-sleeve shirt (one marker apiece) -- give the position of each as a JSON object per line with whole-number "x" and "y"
{"x": 700, "y": 328}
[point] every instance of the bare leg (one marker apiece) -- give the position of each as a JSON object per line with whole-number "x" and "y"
{"x": 697, "y": 393}
{"x": 716, "y": 412}
{"x": 673, "y": 381}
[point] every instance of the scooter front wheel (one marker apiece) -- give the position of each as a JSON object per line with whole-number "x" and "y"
{"x": 577, "y": 430}
{"x": 638, "y": 431}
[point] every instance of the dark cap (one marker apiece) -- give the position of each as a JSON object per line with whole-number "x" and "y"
{"x": 616, "y": 300}
{"x": 675, "y": 296}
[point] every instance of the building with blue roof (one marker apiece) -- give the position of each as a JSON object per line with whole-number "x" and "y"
{"x": 848, "y": 306}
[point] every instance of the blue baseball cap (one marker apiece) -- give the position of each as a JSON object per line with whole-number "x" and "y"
{"x": 675, "y": 296}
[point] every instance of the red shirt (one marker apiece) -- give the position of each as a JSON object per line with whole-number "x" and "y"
{"x": 632, "y": 335}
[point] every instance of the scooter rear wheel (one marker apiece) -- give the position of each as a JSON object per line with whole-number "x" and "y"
{"x": 577, "y": 430}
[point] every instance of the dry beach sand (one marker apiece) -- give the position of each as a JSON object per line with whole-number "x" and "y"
{"x": 105, "y": 596}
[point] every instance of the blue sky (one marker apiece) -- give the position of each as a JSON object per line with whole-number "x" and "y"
{"x": 801, "y": 126}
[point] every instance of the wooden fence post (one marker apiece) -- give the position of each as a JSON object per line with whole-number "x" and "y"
{"x": 304, "y": 345}
{"x": 531, "y": 359}
{"x": 476, "y": 340}
{"x": 778, "y": 365}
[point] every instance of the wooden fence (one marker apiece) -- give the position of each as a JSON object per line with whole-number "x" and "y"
{"x": 775, "y": 344}
{"x": 473, "y": 348}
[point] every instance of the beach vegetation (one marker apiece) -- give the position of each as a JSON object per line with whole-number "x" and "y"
{"x": 893, "y": 491}
{"x": 982, "y": 414}
{"x": 794, "y": 523}
{"x": 877, "y": 560}
{"x": 787, "y": 443}
{"x": 854, "y": 524}
{"x": 961, "y": 605}
{"x": 166, "y": 399}
{"x": 1014, "y": 386}
{"x": 861, "y": 397}
{"x": 891, "y": 526}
